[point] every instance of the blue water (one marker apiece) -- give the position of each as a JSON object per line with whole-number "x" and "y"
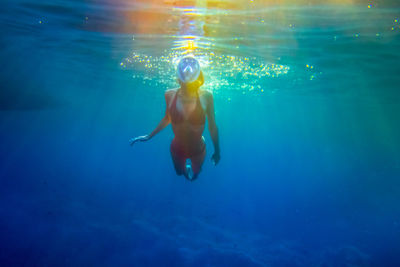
{"x": 307, "y": 103}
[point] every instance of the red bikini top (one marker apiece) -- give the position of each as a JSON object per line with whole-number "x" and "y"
{"x": 197, "y": 117}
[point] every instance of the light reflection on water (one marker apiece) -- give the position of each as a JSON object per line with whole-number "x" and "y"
{"x": 222, "y": 70}
{"x": 242, "y": 47}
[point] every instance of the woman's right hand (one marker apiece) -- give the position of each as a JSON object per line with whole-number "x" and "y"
{"x": 139, "y": 139}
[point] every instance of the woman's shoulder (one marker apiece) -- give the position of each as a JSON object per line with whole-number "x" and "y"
{"x": 207, "y": 94}
{"x": 207, "y": 98}
{"x": 170, "y": 91}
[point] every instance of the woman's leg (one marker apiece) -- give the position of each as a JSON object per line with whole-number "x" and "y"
{"x": 178, "y": 159}
{"x": 198, "y": 159}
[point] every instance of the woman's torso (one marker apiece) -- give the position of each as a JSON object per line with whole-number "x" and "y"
{"x": 187, "y": 116}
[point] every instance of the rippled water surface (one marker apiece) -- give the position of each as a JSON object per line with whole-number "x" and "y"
{"x": 307, "y": 101}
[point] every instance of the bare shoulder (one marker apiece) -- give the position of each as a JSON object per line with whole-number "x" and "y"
{"x": 207, "y": 94}
{"x": 170, "y": 92}
{"x": 208, "y": 97}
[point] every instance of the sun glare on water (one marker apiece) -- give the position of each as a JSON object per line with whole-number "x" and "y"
{"x": 222, "y": 70}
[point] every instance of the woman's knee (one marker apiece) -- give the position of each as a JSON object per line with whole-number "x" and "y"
{"x": 196, "y": 168}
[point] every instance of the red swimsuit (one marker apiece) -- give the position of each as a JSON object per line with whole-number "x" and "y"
{"x": 188, "y": 143}
{"x": 197, "y": 117}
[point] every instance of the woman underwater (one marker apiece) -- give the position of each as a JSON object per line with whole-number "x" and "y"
{"x": 186, "y": 109}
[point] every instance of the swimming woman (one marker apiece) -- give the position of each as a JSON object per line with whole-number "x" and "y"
{"x": 186, "y": 109}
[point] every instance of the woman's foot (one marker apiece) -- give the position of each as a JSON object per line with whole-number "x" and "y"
{"x": 189, "y": 172}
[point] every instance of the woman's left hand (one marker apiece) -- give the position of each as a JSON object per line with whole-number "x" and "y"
{"x": 215, "y": 158}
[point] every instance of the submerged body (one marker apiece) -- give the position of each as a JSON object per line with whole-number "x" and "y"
{"x": 188, "y": 142}
{"x": 187, "y": 108}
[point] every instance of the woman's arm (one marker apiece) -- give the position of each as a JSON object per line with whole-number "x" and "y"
{"x": 161, "y": 125}
{"x": 212, "y": 127}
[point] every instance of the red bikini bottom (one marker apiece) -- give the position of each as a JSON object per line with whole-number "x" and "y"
{"x": 194, "y": 151}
